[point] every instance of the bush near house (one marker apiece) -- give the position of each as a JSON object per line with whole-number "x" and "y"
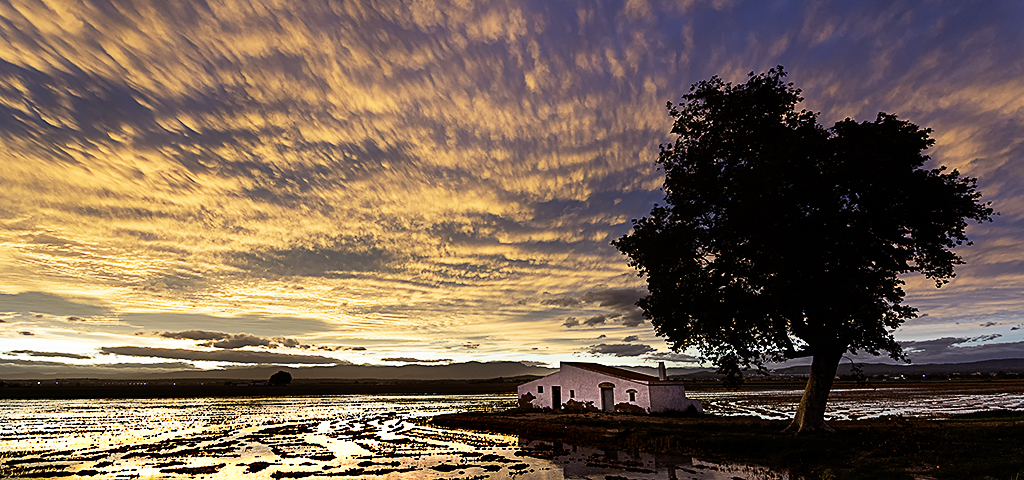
{"x": 526, "y": 401}
{"x": 573, "y": 406}
{"x": 629, "y": 409}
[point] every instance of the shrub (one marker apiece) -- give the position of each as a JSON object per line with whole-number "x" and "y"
{"x": 574, "y": 406}
{"x": 629, "y": 409}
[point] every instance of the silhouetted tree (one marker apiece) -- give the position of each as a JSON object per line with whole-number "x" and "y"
{"x": 782, "y": 238}
{"x": 281, "y": 378}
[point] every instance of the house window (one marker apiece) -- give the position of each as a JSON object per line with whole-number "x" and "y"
{"x": 632, "y": 395}
{"x": 540, "y": 388}
{"x": 572, "y": 393}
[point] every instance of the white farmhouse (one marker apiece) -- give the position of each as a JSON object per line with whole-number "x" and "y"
{"x": 607, "y": 387}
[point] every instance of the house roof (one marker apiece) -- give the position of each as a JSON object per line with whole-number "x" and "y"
{"x": 613, "y": 371}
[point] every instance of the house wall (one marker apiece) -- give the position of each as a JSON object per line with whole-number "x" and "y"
{"x": 586, "y": 384}
{"x": 668, "y": 398}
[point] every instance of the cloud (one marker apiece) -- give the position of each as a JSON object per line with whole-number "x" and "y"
{"x": 633, "y": 318}
{"x": 615, "y": 298}
{"x": 957, "y": 350}
{"x": 620, "y": 349}
{"x": 561, "y": 301}
{"x": 236, "y": 356}
{"x": 259, "y": 325}
{"x": 33, "y": 353}
{"x": 52, "y": 304}
{"x": 26, "y": 333}
{"x": 230, "y": 340}
{"x": 320, "y": 257}
{"x": 288, "y": 342}
{"x": 672, "y": 357}
{"x": 415, "y": 360}
{"x": 621, "y": 302}
{"x": 195, "y": 335}
{"x": 631, "y": 338}
{"x": 239, "y": 341}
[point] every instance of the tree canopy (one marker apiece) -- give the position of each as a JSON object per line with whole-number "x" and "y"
{"x": 781, "y": 238}
{"x": 281, "y": 378}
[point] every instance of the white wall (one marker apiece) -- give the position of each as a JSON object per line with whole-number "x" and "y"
{"x": 668, "y": 398}
{"x": 585, "y": 384}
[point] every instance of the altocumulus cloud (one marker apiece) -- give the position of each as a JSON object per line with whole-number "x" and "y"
{"x": 621, "y": 302}
{"x": 320, "y": 257}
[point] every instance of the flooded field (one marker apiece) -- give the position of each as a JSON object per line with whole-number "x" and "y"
{"x": 369, "y": 437}
{"x": 862, "y": 403}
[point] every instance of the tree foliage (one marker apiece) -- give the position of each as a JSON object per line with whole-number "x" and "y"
{"x": 782, "y": 238}
{"x": 281, "y": 378}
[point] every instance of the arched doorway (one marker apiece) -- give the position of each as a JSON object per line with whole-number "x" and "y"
{"x": 607, "y": 397}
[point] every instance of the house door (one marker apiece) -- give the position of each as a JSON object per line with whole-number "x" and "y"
{"x": 607, "y": 397}
{"x": 556, "y": 397}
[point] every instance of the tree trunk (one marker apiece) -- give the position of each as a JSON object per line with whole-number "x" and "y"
{"x": 810, "y": 417}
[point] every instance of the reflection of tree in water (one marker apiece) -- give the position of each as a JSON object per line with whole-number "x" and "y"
{"x": 586, "y": 462}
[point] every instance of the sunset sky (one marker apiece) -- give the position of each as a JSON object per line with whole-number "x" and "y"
{"x": 193, "y": 185}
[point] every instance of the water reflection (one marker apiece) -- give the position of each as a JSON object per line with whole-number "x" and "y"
{"x": 300, "y": 437}
{"x": 380, "y": 436}
{"x": 578, "y": 462}
{"x": 860, "y": 403}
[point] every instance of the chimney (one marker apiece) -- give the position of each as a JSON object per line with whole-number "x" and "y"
{"x": 661, "y": 372}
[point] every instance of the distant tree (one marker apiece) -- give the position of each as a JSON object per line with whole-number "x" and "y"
{"x": 782, "y": 238}
{"x": 281, "y": 378}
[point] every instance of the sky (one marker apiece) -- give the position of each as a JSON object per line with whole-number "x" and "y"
{"x": 218, "y": 184}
